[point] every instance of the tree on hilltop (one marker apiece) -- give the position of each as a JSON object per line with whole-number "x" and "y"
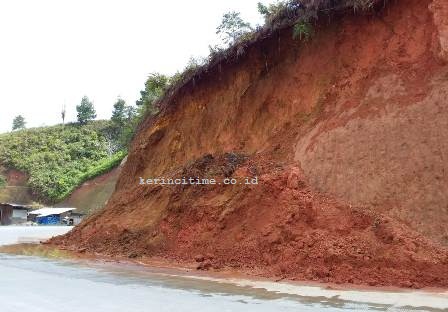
{"x": 155, "y": 86}
{"x": 86, "y": 111}
{"x": 119, "y": 112}
{"x": 232, "y": 27}
{"x": 18, "y": 123}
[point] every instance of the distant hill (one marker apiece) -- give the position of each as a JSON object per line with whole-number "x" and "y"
{"x": 58, "y": 159}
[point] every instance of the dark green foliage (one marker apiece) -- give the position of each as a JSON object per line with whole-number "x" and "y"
{"x": 262, "y": 9}
{"x": 155, "y": 86}
{"x": 59, "y": 158}
{"x": 18, "y": 123}
{"x": 119, "y": 112}
{"x": 86, "y": 111}
{"x": 232, "y": 27}
{"x": 123, "y": 123}
{"x": 103, "y": 166}
{"x": 3, "y": 181}
{"x": 305, "y": 10}
{"x": 130, "y": 126}
{"x": 130, "y": 113}
{"x": 271, "y": 10}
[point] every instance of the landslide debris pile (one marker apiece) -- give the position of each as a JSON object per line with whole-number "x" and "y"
{"x": 347, "y": 133}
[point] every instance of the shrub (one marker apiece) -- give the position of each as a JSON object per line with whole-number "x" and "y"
{"x": 155, "y": 86}
{"x": 232, "y": 27}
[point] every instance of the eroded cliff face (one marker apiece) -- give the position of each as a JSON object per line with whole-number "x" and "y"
{"x": 348, "y": 135}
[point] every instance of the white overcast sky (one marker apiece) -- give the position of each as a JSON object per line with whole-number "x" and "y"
{"x": 56, "y": 51}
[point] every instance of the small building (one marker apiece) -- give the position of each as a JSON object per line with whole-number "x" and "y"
{"x": 55, "y": 216}
{"x": 13, "y": 214}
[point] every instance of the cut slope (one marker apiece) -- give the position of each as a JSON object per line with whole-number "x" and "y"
{"x": 16, "y": 189}
{"x": 313, "y": 121}
{"x": 92, "y": 195}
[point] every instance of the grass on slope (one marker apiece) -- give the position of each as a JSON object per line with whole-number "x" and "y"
{"x": 59, "y": 158}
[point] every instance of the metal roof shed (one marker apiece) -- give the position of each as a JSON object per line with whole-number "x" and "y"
{"x": 13, "y": 213}
{"x": 50, "y": 216}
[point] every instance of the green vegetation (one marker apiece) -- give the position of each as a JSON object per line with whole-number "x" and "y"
{"x": 86, "y": 111}
{"x": 298, "y": 15}
{"x": 275, "y": 12}
{"x": 103, "y": 166}
{"x": 60, "y": 158}
{"x": 232, "y": 27}
{"x": 155, "y": 86}
{"x": 302, "y": 31}
{"x": 18, "y": 123}
{"x": 2, "y": 181}
{"x": 271, "y": 10}
{"x": 119, "y": 112}
{"x": 123, "y": 122}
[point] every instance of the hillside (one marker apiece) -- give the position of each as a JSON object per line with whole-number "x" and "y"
{"x": 53, "y": 161}
{"x": 347, "y": 133}
{"x": 14, "y": 187}
{"x": 92, "y": 195}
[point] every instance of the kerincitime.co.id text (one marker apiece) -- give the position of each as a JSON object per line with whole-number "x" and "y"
{"x": 198, "y": 181}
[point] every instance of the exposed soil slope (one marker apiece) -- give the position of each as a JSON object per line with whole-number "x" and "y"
{"x": 16, "y": 189}
{"x": 92, "y": 195}
{"x": 348, "y": 134}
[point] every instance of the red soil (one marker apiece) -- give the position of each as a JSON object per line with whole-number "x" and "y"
{"x": 16, "y": 178}
{"x": 347, "y": 134}
{"x": 17, "y": 190}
